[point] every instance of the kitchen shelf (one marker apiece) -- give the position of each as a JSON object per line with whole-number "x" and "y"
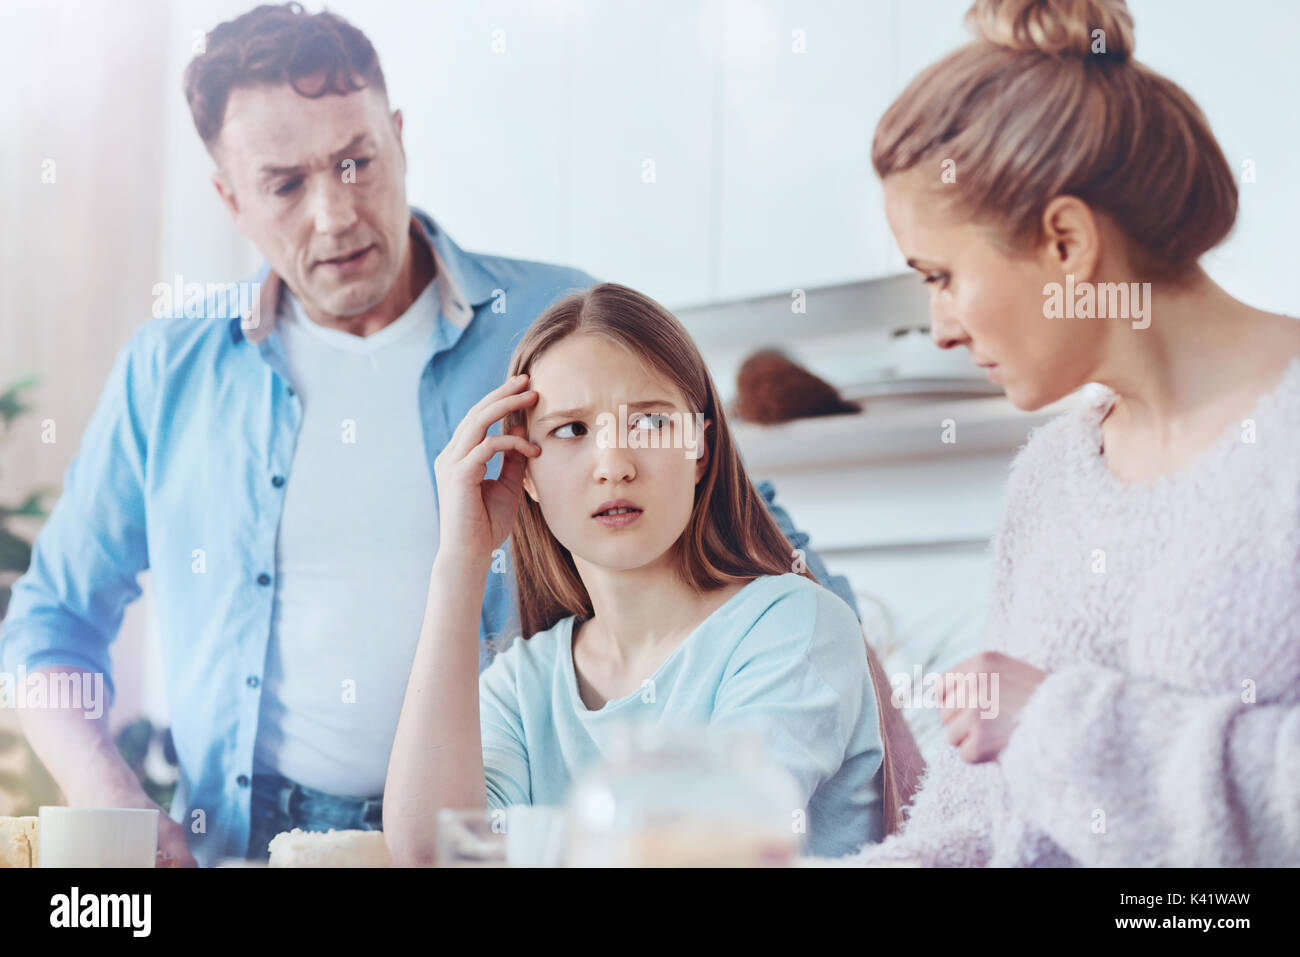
{"x": 869, "y": 305}
{"x": 891, "y": 431}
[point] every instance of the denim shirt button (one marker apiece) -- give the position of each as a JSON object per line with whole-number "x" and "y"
{"x": 253, "y": 681}
{"x": 264, "y": 579}
{"x": 242, "y": 780}
{"x": 277, "y": 480}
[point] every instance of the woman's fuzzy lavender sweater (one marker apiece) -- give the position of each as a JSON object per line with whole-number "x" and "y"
{"x": 1167, "y": 615}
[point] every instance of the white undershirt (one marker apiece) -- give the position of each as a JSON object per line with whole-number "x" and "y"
{"x": 356, "y": 543}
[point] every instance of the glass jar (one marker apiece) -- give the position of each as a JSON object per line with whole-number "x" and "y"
{"x": 683, "y": 796}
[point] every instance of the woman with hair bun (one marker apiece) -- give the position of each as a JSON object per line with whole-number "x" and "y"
{"x": 1056, "y": 195}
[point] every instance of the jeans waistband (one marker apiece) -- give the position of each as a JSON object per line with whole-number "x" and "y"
{"x": 289, "y": 793}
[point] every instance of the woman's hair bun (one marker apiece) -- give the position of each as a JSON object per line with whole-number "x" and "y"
{"x": 1057, "y": 27}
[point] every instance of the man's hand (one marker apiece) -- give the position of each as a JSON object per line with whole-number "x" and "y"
{"x": 981, "y": 699}
{"x": 173, "y": 848}
{"x": 79, "y": 752}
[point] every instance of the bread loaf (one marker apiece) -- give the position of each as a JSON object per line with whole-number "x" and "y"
{"x": 299, "y": 848}
{"x": 20, "y": 841}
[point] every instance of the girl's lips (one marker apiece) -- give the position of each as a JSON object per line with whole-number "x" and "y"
{"x": 618, "y": 517}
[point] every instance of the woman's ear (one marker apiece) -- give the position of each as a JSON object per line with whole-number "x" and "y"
{"x": 530, "y": 488}
{"x": 1072, "y": 237}
{"x": 701, "y": 448}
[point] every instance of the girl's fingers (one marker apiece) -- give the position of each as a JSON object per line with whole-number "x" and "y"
{"x": 474, "y": 427}
{"x": 512, "y": 473}
{"x": 490, "y": 446}
{"x": 511, "y": 386}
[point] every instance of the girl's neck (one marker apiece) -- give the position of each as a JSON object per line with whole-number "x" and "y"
{"x": 644, "y": 608}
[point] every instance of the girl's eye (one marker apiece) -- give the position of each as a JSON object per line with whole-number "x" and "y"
{"x": 570, "y": 430}
{"x": 651, "y": 422}
{"x": 937, "y": 277}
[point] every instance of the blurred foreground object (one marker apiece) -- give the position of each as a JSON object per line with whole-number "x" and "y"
{"x": 684, "y": 797}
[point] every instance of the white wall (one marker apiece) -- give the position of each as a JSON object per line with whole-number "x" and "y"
{"x": 762, "y": 179}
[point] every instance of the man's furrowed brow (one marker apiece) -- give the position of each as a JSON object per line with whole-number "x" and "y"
{"x": 339, "y": 155}
{"x": 354, "y": 144}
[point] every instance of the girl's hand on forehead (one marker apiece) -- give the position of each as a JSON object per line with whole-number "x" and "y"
{"x": 511, "y": 395}
{"x": 476, "y": 512}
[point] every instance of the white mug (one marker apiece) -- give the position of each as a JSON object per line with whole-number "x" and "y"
{"x": 98, "y": 837}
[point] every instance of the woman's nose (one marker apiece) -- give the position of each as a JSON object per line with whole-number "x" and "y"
{"x": 945, "y": 332}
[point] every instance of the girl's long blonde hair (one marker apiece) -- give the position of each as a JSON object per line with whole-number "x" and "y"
{"x": 730, "y": 537}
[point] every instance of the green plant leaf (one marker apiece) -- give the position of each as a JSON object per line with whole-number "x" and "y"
{"x": 11, "y": 405}
{"x": 30, "y": 508}
{"x": 15, "y": 554}
{"x": 133, "y": 743}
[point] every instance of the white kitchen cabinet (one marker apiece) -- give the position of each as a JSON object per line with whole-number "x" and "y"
{"x": 640, "y": 120}
{"x": 482, "y": 90}
{"x": 1243, "y": 72}
{"x": 803, "y": 86}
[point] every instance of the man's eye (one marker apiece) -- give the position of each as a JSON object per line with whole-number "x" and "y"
{"x": 570, "y": 430}
{"x": 288, "y": 187}
{"x": 651, "y": 422}
{"x": 361, "y": 163}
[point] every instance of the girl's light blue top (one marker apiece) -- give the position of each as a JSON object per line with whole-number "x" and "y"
{"x": 783, "y": 656}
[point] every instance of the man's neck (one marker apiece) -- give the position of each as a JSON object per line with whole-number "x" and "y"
{"x": 417, "y": 271}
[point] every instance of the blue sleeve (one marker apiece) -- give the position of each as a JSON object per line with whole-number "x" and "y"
{"x": 68, "y": 607}
{"x": 799, "y": 677}
{"x": 505, "y": 755}
{"x": 836, "y": 583}
{"x": 498, "y": 622}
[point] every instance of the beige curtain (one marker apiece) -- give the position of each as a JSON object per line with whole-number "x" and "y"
{"x": 80, "y": 221}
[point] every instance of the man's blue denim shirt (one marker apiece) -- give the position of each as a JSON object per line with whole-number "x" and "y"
{"x": 182, "y": 470}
